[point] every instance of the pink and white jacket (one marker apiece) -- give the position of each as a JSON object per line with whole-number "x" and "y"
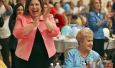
{"x": 25, "y": 43}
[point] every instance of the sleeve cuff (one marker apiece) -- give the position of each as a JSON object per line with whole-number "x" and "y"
{"x": 10, "y": 12}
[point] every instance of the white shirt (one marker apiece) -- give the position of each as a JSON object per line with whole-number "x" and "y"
{"x": 4, "y": 31}
{"x": 61, "y": 10}
{"x": 77, "y": 9}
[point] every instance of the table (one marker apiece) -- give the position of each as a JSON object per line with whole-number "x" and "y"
{"x": 111, "y": 44}
{"x": 62, "y": 45}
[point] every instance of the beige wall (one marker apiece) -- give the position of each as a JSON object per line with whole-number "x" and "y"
{"x": 85, "y": 1}
{"x": 75, "y": 1}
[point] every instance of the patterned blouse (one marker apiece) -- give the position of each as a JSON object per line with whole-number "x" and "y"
{"x": 75, "y": 60}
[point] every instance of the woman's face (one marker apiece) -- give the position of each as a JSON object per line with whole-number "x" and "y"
{"x": 97, "y": 5}
{"x": 34, "y": 8}
{"x": 87, "y": 44}
{"x": 45, "y": 7}
{"x": 57, "y": 6}
{"x": 20, "y": 10}
{"x": 79, "y": 3}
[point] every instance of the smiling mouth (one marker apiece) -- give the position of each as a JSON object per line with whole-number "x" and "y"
{"x": 34, "y": 11}
{"x": 90, "y": 46}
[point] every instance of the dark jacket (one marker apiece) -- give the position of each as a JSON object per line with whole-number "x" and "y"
{"x": 13, "y": 40}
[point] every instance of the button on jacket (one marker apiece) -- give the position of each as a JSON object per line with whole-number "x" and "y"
{"x": 25, "y": 43}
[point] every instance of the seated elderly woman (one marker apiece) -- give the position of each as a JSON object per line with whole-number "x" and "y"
{"x": 83, "y": 53}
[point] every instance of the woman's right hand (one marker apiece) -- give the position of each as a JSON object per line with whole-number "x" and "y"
{"x": 36, "y": 21}
{"x": 107, "y": 15}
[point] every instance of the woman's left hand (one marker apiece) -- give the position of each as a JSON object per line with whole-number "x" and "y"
{"x": 110, "y": 15}
{"x": 46, "y": 12}
{"x": 109, "y": 65}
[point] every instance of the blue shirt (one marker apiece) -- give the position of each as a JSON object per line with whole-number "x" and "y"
{"x": 93, "y": 19}
{"x": 75, "y": 60}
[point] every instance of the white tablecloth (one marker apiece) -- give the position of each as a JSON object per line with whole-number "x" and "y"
{"x": 61, "y": 45}
{"x": 111, "y": 44}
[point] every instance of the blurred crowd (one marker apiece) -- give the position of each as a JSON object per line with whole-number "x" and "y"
{"x": 64, "y": 13}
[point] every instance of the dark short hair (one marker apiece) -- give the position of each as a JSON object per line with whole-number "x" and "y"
{"x": 26, "y": 12}
{"x": 60, "y": 1}
{"x": 74, "y": 17}
{"x": 15, "y": 9}
{"x": 55, "y": 3}
{"x": 50, "y": 2}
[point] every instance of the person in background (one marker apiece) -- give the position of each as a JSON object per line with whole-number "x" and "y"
{"x": 5, "y": 13}
{"x": 113, "y": 18}
{"x": 59, "y": 19}
{"x": 35, "y": 31}
{"x": 97, "y": 21}
{"x": 59, "y": 8}
{"x": 76, "y": 57}
{"x": 108, "y": 10}
{"x": 84, "y": 21}
{"x": 18, "y": 10}
{"x": 72, "y": 5}
{"x": 79, "y": 21}
{"x": 65, "y": 16}
{"x": 74, "y": 19}
{"x": 51, "y": 2}
{"x": 45, "y": 6}
{"x": 78, "y": 8}
{"x": 11, "y": 3}
{"x": 112, "y": 1}
{"x": 62, "y": 3}
{"x": 82, "y": 3}
{"x": 22, "y": 2}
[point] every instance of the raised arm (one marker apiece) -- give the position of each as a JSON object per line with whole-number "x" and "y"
{"x": 9, "y": 10}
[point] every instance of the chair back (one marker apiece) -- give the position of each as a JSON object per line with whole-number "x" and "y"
{"x": 106, "y": 32}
